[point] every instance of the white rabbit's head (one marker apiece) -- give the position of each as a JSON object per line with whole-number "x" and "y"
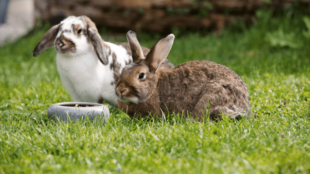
{"x": 73, "y": 36}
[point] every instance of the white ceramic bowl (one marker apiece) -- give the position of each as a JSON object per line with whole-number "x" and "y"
{"x": 78, "y": 110}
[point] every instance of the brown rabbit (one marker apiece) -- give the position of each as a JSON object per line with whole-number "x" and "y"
{"x": 194, "y": 88}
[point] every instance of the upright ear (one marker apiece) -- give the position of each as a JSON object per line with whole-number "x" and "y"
{"x": 136, "y": 50}
{"x": 96, "y": 40}
{"x": 47, "y": 40}
{"x": 159, "y": 52}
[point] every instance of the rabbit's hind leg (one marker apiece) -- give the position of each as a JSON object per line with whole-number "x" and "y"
{"x": 213, "y": 107}
{"x": 205, "y": 109}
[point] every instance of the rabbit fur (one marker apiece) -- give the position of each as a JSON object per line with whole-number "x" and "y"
{"x": 195, "y": 88}
{"x": 88, "y": 66}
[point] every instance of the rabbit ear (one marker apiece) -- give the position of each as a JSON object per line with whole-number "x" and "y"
{"x": 159, "y": 52}
{"x": 136, "y": 50}
{"x": 47, "y": 40}
{"x": 96, "y": 40}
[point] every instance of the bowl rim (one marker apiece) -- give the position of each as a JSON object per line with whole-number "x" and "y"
{"x": 65, "y": 104}
{"x": 58, "y": 110}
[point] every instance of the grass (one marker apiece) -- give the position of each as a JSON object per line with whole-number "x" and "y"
{"x": 277, "y": 141}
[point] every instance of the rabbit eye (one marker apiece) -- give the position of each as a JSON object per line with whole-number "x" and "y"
{"x": 141, "y": 76}
{"x": 80, "y": 31}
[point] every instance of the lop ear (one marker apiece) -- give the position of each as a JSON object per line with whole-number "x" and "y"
{"x": 95, "y": 38}
{"x": 136, "y": 50}
{"x": 159, "y": 52}
{"x": 47, "y": 40}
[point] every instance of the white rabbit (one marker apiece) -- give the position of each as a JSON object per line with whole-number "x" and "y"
{"x": 88, "y": 66}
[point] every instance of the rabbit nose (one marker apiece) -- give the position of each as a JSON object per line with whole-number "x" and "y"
{"x": 122, "y": 91}
{"x": 60, "y": 44}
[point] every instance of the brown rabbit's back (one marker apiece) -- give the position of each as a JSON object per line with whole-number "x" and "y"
{"x": 198, "y": 85}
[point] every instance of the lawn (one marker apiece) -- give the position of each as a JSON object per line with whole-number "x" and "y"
{"x": 275, "y": 66}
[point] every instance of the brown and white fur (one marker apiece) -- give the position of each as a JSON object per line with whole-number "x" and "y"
{"x": 88, "y": 66}
{"x": 194, "y": 88}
